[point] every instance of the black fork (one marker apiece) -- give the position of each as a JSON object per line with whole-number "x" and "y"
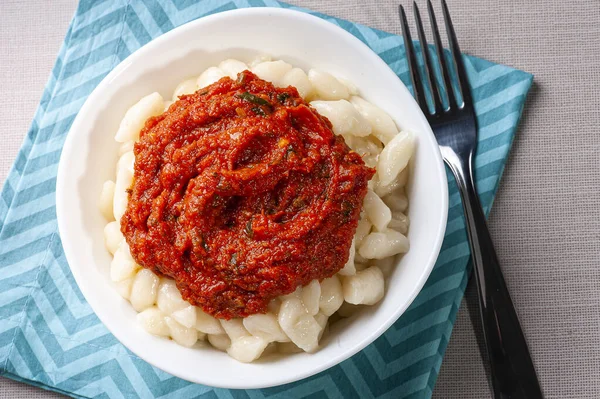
{"x": 455, "y": 128}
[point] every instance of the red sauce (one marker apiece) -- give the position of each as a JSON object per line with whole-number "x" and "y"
{"x": 242, "y": 193}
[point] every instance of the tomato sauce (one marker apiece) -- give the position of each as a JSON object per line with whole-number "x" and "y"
{"x": 242, "y": 193}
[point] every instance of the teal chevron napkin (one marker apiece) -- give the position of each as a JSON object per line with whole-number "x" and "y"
{"x": 50, "y": 337}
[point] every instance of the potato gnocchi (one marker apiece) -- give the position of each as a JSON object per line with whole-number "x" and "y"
{"x": 294, "y": 322}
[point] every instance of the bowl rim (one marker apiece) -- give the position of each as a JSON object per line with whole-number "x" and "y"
{"x": 62, "y": 176}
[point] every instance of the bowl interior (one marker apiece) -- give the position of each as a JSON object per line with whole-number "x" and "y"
{"x": 90, "y": 154}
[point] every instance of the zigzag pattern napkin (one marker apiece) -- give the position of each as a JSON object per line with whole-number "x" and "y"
{"x": 50, "y": 337}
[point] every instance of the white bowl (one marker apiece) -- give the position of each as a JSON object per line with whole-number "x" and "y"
{"x": 90, "y": 153}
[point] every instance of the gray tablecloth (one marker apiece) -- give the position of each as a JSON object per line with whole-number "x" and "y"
{"x": 546, "y": 219}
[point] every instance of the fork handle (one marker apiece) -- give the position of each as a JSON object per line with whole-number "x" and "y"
{"x": 512, "y": 371}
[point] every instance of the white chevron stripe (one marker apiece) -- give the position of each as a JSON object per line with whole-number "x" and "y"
{"x": 453, "y": 253}
{"x": 13, "y": 179}
{"x": 13, "y": 294}
{"x": 385, "y": 370}
{"x": 483, "y": 186}
{"x": 89, "y": 72}
{"x": 97, "y": 10}
{"x": 394, "y": 337}
{"x": 104, "y": 385}
{"x": 13, "y": 272}
{"x": 29, "y": 180}
{"x": 84, "y": 337}
{"x": 38, "y": 347}
{"x": 379, "y": 45}
{"x": 134, "y": 377}
{"x": 53, "y": 144}
{"x": 129, "y": 40}
{"x": 9, "y": 324}
{"x": 47, "y": 170}
{"x": 493, "y": 155}
{"x": 86, "y": 21}
{"x": 144, "y": 15}
{"x": 268, "y": 3}
{"x": 162, "y": 376}
{"x": 356, "y": 378}
{"x": 17, "y": 241}
{"x": 398, "y": 66}
{"x": 306, "y": 388}
{"x": 501, "y": 98}
{"x": 86, "y": 46}
{"x": 446, "y": 284}
{"x": 18, "y": 363}
{"x": 498, "y": 127}
{"x": 25, "y": 258}
{"x": 48, "y": 198}
{"x": 252, "y": 394}
{"x": 409, "y": 387}
{"x": 56, "y": 327}
{"x": 71, "y": 298}
{"x": 454, "y": 225}
{"x": 43, "y": 148}
{"x": 193, "y": 390}
{"x": 93, "y": 358}
{"x": 177, "y": 18}
{"x": 46, "y": 311}
{"x": 478, "y": 79}
{"x": 36, "y": 232}
{"x": 71, "y": 101}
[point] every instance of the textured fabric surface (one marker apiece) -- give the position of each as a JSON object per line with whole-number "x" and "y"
{"x": 545, "y": 220}
{"x": 49, "y": 336}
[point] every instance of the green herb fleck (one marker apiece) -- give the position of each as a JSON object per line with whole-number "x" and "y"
{"x": 259, "y": 111}
{"x": 289, "y": 152}
{"x": 248, "y": 229}
{"x": 233, "y": 259}
{"x": 323, "y": 171}
{"x": 254, "y": 99}
{"x": 282, "y": 97}
{"x": 298, "y": 203}
{"x": 347, "y": 208}
{"x": 241, "y": 78}
{"x": 204, "y": 244}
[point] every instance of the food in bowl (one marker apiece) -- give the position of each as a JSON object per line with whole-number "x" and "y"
{"x": 258, "y": 204}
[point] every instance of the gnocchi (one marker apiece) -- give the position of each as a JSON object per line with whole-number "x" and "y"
{"x": 210, "y": 76}
{"x": 344, "y": 117}
{"x": 136, "y": 116}
{"x": 297, "y": 77}
{"x": 186, "y": 87}
{"x": 272, "y": 71}
{"x": 123, "y": 182}
{"x": 383, "y": 127}
{"x": 106, "y": 200}
{"x": 297, "y": 321}
{"x": 366, "y": 287}
{"x": 394, "y": 157}
{"x": 326, "y": 86}
{"x": 231, "y": 67}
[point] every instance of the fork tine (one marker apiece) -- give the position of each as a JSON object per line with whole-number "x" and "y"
{"x": 425, "y": 52}
{"x": 458, "y": 63}
{"x": 413, "y": 66}
{"x": 439, "y": 49}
